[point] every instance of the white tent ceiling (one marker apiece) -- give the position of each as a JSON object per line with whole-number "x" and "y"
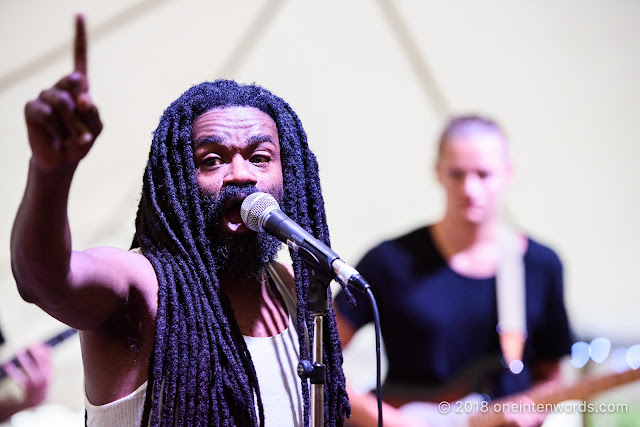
{"x": 372, "y": 83}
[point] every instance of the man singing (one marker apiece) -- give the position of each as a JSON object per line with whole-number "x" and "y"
{"x": 196, "y": 324}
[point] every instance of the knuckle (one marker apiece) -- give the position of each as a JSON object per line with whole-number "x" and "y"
{"x": 29, "y": 107}
{"x": 63, "y": 100}
{"x": 77, "y": 82}
{"x": 36, "y": 110}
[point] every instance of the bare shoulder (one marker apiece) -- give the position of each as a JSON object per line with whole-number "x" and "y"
{"x": 286, "y": 273}
{"x": 131, "y": 263}
{"x": 107, "y": 282}
{"x": 109, "y": 262}
{"x": 285, "y": 268}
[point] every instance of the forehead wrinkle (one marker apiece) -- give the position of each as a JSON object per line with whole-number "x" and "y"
{"x": 209, "y": 139}
{"x": 253, "y": 140}
{"x": 224, "y": 125}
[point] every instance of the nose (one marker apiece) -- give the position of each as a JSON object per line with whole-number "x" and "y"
{"x": 471, "y": 184}
{"x": 240, "y": 172}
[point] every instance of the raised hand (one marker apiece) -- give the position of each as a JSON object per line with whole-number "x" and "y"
{"x": 63, "y": 123}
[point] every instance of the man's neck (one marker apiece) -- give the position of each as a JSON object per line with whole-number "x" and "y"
{"x": 464, "y": 235}
{"x": 470, "y": 249}
{"x": 257, "y": 305}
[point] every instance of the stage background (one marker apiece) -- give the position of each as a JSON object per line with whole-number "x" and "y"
{"x": 373, "y": 83}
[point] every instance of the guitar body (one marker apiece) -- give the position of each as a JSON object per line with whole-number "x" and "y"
{"x": 474, "y": 411}
{"x": 475, "y": 379}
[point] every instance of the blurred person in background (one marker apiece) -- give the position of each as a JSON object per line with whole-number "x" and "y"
{"x": 31, "y": 369}
{"x": 436, "y": 292}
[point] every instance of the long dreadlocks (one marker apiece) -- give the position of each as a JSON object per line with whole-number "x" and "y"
{"x": 201, "y": 372}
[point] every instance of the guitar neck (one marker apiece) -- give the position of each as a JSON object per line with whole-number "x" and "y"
{"x": 57, "y": 339}
{"x": 585, "y": 388}
{"x": 51, "y": 342}
{"x": 581, "y": 390}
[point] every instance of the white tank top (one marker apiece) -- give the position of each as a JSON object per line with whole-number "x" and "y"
{"x": 276, "y": 368}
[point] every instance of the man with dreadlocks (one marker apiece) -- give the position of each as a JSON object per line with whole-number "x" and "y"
{"x": 196, "y": 324}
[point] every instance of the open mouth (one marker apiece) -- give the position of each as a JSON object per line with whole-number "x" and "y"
{"x": 231, "y": 218}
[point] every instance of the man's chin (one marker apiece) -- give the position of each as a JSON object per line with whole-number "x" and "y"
{"x": 475, "y": 214}
{"x": 236, "y": 250}
{"x": 245, "y": 255}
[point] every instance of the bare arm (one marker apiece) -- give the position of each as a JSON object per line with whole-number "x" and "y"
{"x": 79, "y": 288}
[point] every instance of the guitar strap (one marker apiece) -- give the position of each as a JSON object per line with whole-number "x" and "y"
{"x": 511, "y": 300}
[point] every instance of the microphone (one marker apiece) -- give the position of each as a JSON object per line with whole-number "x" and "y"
{"x": 261, "y": 212}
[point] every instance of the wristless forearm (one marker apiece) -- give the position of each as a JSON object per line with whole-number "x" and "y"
{"x": 41, "y": 240}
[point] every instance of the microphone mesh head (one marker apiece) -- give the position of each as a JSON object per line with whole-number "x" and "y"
{"x": 254, "y": 208}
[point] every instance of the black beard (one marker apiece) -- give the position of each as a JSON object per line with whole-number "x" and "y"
{"x": 237, "y": 255}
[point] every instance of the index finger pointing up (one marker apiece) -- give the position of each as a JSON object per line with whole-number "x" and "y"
{"x": 80, "y": 46}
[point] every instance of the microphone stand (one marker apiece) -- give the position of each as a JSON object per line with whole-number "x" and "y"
{"x": 322, "y": 264}
{"x": 318, "y": 305}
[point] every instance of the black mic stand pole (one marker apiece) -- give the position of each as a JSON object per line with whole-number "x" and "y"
{"x": 318, "y": 305}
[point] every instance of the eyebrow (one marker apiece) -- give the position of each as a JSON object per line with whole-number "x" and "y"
{"x": 260, "y": 138}
{"x": 207, "y": 140}
{"x": 212, "y": 139}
